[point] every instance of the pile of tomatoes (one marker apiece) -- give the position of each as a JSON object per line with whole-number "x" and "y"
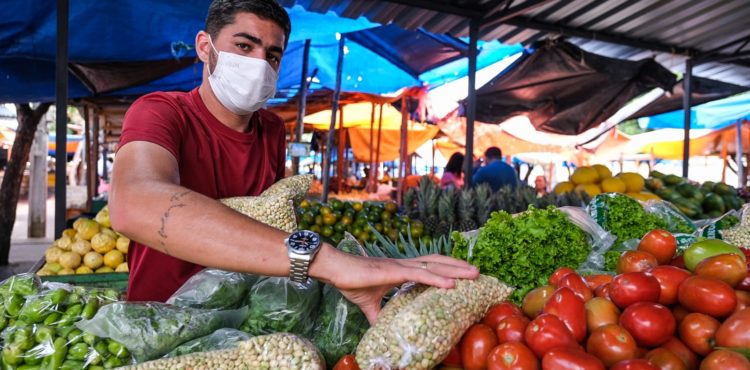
{"x": 654, "y": 314}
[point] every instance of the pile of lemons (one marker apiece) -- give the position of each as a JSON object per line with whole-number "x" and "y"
{"x": 91, "y": 246}
{"x": 598, "y": 179}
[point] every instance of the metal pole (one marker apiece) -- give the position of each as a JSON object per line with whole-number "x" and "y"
{"x": 370, "y": 181}
{"x": 403, "y": 150}
{"x": 95, "y": 156}
{"x": 341, "y": 156}
{"x": 332, "y": 127}
{"x": 738, "y": 152}
{"x": 687, "y": 103}
{"x": 301, "y": 104}
{"x": 87, "y": 156}
{"x": 38, "y": 184}
{"x": 377, "y": 149}
{"x": 61, "y": 112}
{"x": 471, "y": 101}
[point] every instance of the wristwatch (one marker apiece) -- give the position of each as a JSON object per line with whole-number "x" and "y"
{"x": 302, "y": 247}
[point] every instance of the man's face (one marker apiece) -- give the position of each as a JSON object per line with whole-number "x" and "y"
{"x": 249, "y": 36}
{"x": 539, "y": 183}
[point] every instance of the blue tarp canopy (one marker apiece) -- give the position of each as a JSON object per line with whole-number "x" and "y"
{"x": 130, "y": 47}
{"x": 713, "y": 115}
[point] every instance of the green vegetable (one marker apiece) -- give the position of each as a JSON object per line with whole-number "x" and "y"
{"x": 90, "y": 309}
{"x": 29, "y": 367}
{"x": 43, "y": 333}
{"x": 52, "y": 319}
{"x": 55, "y": 360}
{"x": 218, "y": 340}
{"x": 340, "y": 326}
{"x": 278, "y": 305}
{"x": 75, "y": 336}
{"x": 72, "y": 365}
{"x": 117, "y": 349}
{"x": 112, "y": 362}
{"x": 623, "y": 216}
{"x": 23, "y": 285}
{"x": 12, "y": 354}
{"x": 71, "y": 315}
{"x": 708, "y": 248}
{"x": 215, "y": 289}
{"x": 37, "y": 308}
{"x": 13, "y": 304}
{"x": 78, "y": 351}
{"x": 524, "y": 251}
{"x": 89, "y": 339}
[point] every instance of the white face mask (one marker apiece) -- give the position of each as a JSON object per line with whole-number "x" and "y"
{"x": 242, "y": 84}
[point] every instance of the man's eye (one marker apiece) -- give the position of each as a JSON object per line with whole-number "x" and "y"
{"x": 243, "y": 46}
{"x": 274, "y": 59}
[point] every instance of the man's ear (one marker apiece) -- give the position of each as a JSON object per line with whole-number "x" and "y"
{"x": 203, "y": 46}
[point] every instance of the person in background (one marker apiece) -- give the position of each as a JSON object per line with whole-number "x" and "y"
{"x": 540, "y": 184}
{"x": 452, "y": 176}
{"x": 495, "y": 172}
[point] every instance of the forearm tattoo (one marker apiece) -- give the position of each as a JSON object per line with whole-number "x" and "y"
{"x": 174, "y": 202}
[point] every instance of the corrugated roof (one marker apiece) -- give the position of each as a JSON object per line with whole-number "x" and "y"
{"x": 668, "y": 30}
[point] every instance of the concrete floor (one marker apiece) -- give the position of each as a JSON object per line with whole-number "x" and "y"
{"x": 25, "y": 251}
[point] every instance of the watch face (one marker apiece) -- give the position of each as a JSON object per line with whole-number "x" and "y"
{"x": 304, "y": 241}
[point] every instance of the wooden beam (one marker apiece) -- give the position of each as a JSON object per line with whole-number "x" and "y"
{"x": 463, "y": 11}
{"x": 513, "y": 12}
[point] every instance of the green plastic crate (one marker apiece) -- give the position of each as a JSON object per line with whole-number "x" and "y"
{"x": 113, "y": 280}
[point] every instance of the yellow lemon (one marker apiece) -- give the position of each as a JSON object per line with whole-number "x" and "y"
{"x": 584, "y": 175}
{"x": 87, "y": 228}
{"x": 84, "y": 270}
{"x": 564, "y": 187}
{"x": 613, "y": 185}
{"x": 64, "y": 242}
{"x": 122, "y": 244}
{"x": 66, "y": 272}
{"x": 103, "y": 243}
{"x": 54, "y": 267}
{"x": 70, "y": 232}
{"x": 602, "y": 171}
{"x": 634, "y": 182}
{"x": 123, "y": 267}
{"x": 104, "y": 269}
{"x": 70, "y": 260}
{"x": 103, "y": 217}
{"x": 53, "y": 254}
{"x": 591, "y": 189}
{"x": 81, "y": 247}
{"x": 114, "y": 258}
{"x": 93, "y": 260}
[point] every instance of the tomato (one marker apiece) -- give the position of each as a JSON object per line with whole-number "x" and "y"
{"x": 636, "y": 261}
{"x": 735, "y": 331}
{"x": 601, "y": 312}
{"x": 679, "y": 313}
{"x": 597, "y": 280}
{"x": 636, "y": 364}
{"x": 347, "y": 362}
{"x": 554, "y": 279}
{"x": 651, "y": 324}
{"x": 661, "y": 243}
{"x": 569, "y": 308}
{"x": 725, "y": 360}
{"x": 744, "y": 284}
{"x": 708, "y": 248}
{"x": 743, "y": 300}
{"x": 688, "y": 357}
{"x": 603, "y": 291}
{"x": 665, "y": 359}
{"x": 679, "y": 262}
{"x": 728, "y": 267}
{"x": 534, "y": 301}
{"x": 696, "y": 330}
{"x": 632, "y": 287}
{"x": 705, "y": 295}
{"x": 511, "y": 329}
{"x": 547, "y": 332}
{"x": 611, "y": 344}
{"x": 476, "y": 345}
{"x": 512, "y": 356}
{"x": 670, "y": 278}
{"x": 500, "y": 311}
{"x": 454, "y": 357}
{"x": 578, "y": 285}
{"x": 570, "y": 359}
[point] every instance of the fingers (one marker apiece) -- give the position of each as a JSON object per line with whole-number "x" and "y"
{"x": 371, "y": 312}
{"x": 448, "y": 271}
{"x": 422, "y": 276}
{"x": 444, "y": 260}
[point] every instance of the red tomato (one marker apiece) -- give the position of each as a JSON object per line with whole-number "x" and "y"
{"x": 744, "y": 285}
{"x": 705, "y": 295}
{"x": 735, "y": 331}
{"x": 576, "y": 283}
{"x": 661, "y": 244}
{"x": 512, "y": 356}
{"x": 570, "y": 359}
{"x": 679, "y": 261}
{"x": 636, "y": 261}
{"x": 569, "y": 308}
{"x": 601, "y": 312}
{"x": 679, "y": 313}
{"x": 632, "y": 287}
{"x": 725, "y": 360}
{"x": 476, "y": 345}
{"x": 547, "y": 332}
{"x": 603, "y": 291}
{"x": 743, "y": 300}
{"x": 696, "y": 330}
{"x": 554, "y": 279}
{"x": 636, "y": 364}
{"x": 597, "y": 280}
{"x": 688, "y": 357}
{"x": 347, "y": 362}
{"x": 511, "y": 329}
{"x": 534, "y": 301}
{"x": 670, "y": 278}
{"x": 500, "y": 311}
{"x": 611, "y": 344}
{"x": 665, "y": 359}
{"x": 650, "y": 323}
{"x": 454, "y": 357}
{"x": 728, "y": 267}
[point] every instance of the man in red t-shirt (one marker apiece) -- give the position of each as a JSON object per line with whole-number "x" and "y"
{"x": 180, "y": 152}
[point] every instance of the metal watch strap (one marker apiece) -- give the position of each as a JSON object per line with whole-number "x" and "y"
{"x": 298, "y": 270}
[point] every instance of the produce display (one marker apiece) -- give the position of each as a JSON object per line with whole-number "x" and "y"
{"x": 708, "y": 200}
{"x": 89, "y": 247}
{"x": 598, "y": 179}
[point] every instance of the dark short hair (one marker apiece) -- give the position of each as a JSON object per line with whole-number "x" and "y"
{"x": 222, "y": 12}
{"x": 455, "y": 164}
{"x": 493, "y": 153}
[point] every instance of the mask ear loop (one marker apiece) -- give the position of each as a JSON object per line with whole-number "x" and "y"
{"x": 211, "y": 42}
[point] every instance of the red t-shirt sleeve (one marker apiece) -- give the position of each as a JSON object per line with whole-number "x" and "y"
{"x": 154, "y": 118}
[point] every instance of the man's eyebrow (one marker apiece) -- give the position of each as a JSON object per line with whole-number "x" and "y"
{"x": 258, "y": 41}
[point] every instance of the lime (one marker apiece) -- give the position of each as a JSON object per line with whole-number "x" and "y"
{"x": 327, "y": 231}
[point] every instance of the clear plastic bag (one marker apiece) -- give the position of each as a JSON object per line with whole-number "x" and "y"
{"x": 677, "y": 222}
{"x": 151, "y": 329}
{"x": 213, "y": 289}
{"x": 293, "y": 188}
{"x": 599, "y": 239}
{"x": 713, "y": 227}
{"x": 279, "y": 305}
{"x": 277, "y": 212}
{"x": 220, "y": 339}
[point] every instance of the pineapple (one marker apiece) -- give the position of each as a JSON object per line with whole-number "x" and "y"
{"x": 466, "y": 210}
{"x": 485, "y": 203}
{"x": 427, "y": 201}
{"x": 446, "y": 212}
{"x": 410, "y": 199}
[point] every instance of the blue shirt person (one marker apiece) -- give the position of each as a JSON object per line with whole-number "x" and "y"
{"x": 496, "y": 173}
